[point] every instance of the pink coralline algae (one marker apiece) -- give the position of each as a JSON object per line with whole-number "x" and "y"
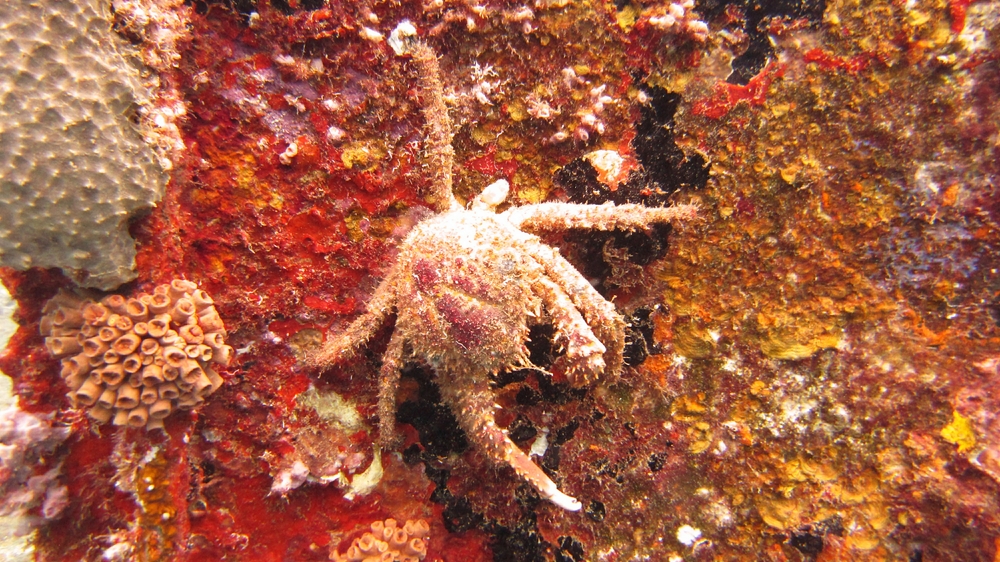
{"x": 27, "y": 442}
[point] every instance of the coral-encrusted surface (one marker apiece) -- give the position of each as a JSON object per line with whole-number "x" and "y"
{"x": 812, "y": 369}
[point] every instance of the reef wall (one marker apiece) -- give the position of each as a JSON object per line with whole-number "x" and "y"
{"x": 811, "y": 370}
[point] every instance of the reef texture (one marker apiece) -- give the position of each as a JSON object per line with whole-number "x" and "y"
{"x": 73, "y": 166}
{"x": 30, "y": 487}
{"x": 133, "y": 361}
{"x": 808, "y": 373}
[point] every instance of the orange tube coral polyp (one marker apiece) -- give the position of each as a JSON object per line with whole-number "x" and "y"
{"x": 138, "y": 416}
{"x": 160, "y": 409}
{"x": 67, "y": 317}
{"x": 126, "y": 344}
{"x": 174, "y": 356}
{"x": 62, "y": 345}
{"x": 213, "y": 376}
{"x": 78, "y": 363}
{"x": 191, "y": 333}
{"x": 182, "y": 311}
{"x": 168, "y": 391}
{"x": 127, "y": 398}
{"x": 123, "y": 324}
{"x": 149, "y": 346}
{"x": 201, "y": 300}
{"x": 214, "y": 340}
{"x": 87, "y": 393}
{"x": 152, "y": 375}
{"x": 210, "y": 321}
{"x": 136, "y": 310}
{"x": 149, "y": 395}
{"x": 158, "y": 326}
{"x": 121, "y": 418}
{"x": 108, "y": 334}
{"x": 180, "y": 287}
{"x": 113, "y": 375}
{"x": 192, "y": 375}
{"x": 132, "y": 363}
{"x": 159, "y": 304}
{"x": 107, "y": 399}
{"x": 94, "y": 347}
{"x": 74, "y": 382}
{"x": 115, "y": 303}
{"x": 222, "y": 355}
{"x": 100, "y": 413}
{"x": 95, "y": 314}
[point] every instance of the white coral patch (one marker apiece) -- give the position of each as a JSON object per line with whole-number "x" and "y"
{"x": 687, "y": 535}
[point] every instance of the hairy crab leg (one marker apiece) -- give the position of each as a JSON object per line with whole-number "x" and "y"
{"x": 548, "y": 217}
{"x": 601, "y": 315}
{"x": 472, "y": 401}
{"x": 584, "y": 352}
{"x": 388, "y": 385}
{"x": 344, "y": 345}
{"x": 440, "y": 153}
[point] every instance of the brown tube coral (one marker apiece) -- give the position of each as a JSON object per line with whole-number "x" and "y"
{"x": 134, "y": 360}
{"x": 126, "y": 344}
{"x": 128, "y": 397}
{"x": 387, "y": 541}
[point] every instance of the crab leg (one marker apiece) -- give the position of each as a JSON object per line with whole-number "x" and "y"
{"x": 388, "y": 385}
{"x": 472, "y": 401}
{"x": 548, "y": 217}
{"x": 600, "y": 314}
{"x": 343, "y": 346}
{"x": 583, "y": 350}
{"x": 440, "y": 154}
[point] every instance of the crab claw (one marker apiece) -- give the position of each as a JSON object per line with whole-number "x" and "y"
{"x": 528, "y": 470}
{"x": 584, "y": 363}
{"x": 568, "y": 503}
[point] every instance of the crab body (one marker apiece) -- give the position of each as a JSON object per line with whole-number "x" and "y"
{"x": 469, "y": 294}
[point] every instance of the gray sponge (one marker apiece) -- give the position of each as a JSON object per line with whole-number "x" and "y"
{"x": 73, "y": 167}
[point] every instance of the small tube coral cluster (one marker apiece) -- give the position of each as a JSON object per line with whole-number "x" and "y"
{"x": 134, "y": 361}
{"x": 388, "y": 543}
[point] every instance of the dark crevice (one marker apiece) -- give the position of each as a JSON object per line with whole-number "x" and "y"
{"x": 756, "y": 13}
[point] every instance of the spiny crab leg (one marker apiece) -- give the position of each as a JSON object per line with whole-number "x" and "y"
{"x": 472, "y": 402}
{"x": 343, "y": 346}
{"x": 547, "y": 217}
{"x": 388, "y": 385}
{"x": 600, "y": 314}
{"x": 584, "y": 352}
{"x": 440, "y": 153}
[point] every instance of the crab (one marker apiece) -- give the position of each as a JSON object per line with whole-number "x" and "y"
{"x": 468, "y": 284}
